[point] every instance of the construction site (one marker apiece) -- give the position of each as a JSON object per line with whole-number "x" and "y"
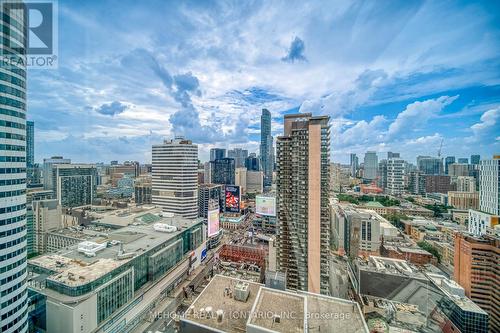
{"x": 241, "y": 262}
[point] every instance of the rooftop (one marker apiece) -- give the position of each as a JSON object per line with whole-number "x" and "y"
{"x": 456, "y": 293}
{"x": 274, "y": 310}
{"x": 374, "y": 204}
{"x": 272, "y": 304}
{"x": 235, "y": 312}
{"x": 124, "y": 217}
{"x": 390, "y": 266}
{"x": 75, "y": 266}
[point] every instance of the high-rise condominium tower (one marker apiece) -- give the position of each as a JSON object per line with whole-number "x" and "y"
{"x": 489, "y": 186}
{"x": 430, "y": 165}
{"x": 371, "y": 165}
{"x": 302, "y": 183}
{"x": 395, "y": 176}
{"x": 217, "y": 154}
{"x": 266, "y": 147}
{"x": 447, "y": 162}
{"x": 239, "y": 155}
{"x": 175, "y": 177}
{"x": 353, "y": 165}
{"x": 13, "y": 294}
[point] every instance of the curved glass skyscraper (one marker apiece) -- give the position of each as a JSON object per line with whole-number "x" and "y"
{"x": 13, "y": 294}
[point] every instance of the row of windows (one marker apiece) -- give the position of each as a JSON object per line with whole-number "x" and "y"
{"x": 8, "y": 194}
{"x": 12, "y": 300}
{"x": 13, "y": 277}
{"x": 12, "y": 148}
{"x": 12, "y": 21}
{"x": 12, "y": 159}
{"x": 12, "y": 170}
{"x": 12, "y": 124}
{"x": 13, "y": 113}
{"x": 11, "y": 255}
{"x": 14, "y": 45}
{"x": 19, "y": 71}
{"x": 12, "y": 220}
{"x": 12, "y": 181}
{"x": 14, "y": 322}
{"x": 12, "y": 209}
{"x": 4, "y": 135}
{"x": 12, "y": 79}
{"x": 13, "y": 231}
{"x": 12, "y": 266}
{"x": 11, "y": 312}
{"x": 5, "y": 245}
{"x": 7, "y": 31}
{"x": 12, "y": 91}
{"x": 13, "y": 288}
{"x": 12, "y": 102}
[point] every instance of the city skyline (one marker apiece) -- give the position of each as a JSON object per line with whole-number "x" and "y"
{"x": 386, "y": 87}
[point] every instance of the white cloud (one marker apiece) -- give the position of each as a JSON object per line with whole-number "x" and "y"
{"x": 487, "y": 127}
{"x": 417, "y": 114}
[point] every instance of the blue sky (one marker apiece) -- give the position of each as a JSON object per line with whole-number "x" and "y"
{"x": 393, "y": 76}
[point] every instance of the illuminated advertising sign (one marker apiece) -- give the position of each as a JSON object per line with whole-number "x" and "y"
{"x": 265, "y": 205}
{"x": 213, "y": 222}
{"x": 233, "y": 199}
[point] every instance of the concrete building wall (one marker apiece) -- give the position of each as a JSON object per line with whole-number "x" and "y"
{"x": 241, "y": 179}
{"x": 63, "y": 318}
{"x": 255, "y": 181}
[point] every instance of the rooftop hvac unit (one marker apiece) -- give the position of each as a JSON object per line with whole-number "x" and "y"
{"x": 162, "y": 227}
{"x": 241, "y": 291}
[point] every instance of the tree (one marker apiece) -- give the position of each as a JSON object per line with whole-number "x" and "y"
{"x": 431, "y": 249}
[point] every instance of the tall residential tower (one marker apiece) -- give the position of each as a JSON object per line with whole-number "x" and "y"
{"x": 303, "y": 183}
{"x": 175, "y": 177}
{"x": 370, "y": 165}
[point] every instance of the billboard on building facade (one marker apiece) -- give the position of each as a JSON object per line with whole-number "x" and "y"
{"x": 265, "y": 205}
{"x": 213, "y": 222}
{"x": 232, "y": 195}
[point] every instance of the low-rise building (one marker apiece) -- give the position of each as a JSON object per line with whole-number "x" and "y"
{"x": 463, "y": 200}
{"x": 415, "y": 256}
{"x": 357, "y": 231}
{"x": 434, "y": 295}
{"x": 85, "y": 286}
{"x": 234, "y": 306}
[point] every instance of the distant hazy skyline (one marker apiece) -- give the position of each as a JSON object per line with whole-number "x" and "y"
{"x": 398, "y": 76}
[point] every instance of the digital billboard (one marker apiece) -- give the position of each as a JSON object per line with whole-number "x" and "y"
{"x": 265, "y": 205}
{"x": 213, "y": 222}
{"x": 232, "y": 202}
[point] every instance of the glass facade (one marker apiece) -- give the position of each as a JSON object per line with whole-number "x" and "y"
{"x": 114, "y": 295}
{"x": 13, "y": 296}
{"x": 147, "y": 267}
{"x": 266, "y": 146}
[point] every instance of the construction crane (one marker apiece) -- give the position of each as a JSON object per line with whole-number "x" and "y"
{"x": 440, "y": 146}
